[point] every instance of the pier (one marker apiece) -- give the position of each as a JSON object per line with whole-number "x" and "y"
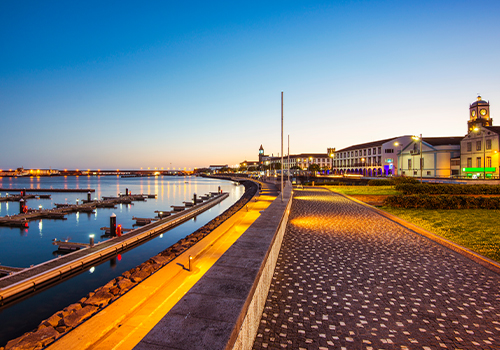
{"x": 36, "y": 277}
{"x": 63, "y": 209}
{"x": 69, "y": 190}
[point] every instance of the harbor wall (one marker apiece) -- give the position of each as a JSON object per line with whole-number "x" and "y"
{"x": 223, "y": 310}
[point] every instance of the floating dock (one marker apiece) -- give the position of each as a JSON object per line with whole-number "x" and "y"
{"x": 35, "y": 278}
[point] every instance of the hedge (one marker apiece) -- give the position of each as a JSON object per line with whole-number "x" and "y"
{"x": 382, "y": 182}
{"x": 427, "y": 188}
{"x": 442, "y": 202}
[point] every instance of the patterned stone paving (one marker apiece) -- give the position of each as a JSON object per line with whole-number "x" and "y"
{"x": 347, "y": 278}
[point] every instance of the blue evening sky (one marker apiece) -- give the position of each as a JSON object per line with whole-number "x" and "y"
{"x": 122, "y": 84}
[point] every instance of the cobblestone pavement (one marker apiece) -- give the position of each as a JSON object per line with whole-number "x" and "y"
{"x": 347, "y": 278}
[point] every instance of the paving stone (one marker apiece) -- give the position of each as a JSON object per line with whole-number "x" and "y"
{"x": 348, "y": 278}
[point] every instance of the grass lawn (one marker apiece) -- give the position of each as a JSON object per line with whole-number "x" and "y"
{"x": 364, "y": 190}
{"x": 476, "y": 229}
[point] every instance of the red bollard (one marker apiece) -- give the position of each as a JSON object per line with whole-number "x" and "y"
{"x": 119, "y": 230}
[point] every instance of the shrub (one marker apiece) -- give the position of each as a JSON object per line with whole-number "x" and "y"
{"x": 381, "y": 182}
{"x": 404, "y": 180}
{"x": 442, "y": 202}
{"x": 426, "y": 188}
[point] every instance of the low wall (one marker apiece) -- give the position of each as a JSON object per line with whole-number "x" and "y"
{"x": 223, "y": 310}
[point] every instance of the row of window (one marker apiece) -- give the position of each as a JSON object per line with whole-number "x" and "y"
{"x": 363, "y": 152}
{"x": 479, "y": 163}
{"x": 358, "y": 162}
{"x": 478, "y": 145}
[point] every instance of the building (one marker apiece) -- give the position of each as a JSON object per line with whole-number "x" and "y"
{"x": 376, "y": 158}
{"x": 430, "y": 157}
{"x": 300, "y": 161}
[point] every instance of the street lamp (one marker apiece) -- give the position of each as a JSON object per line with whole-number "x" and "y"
{"x": 484, "y": 152}
{"x": 416, "y": 138}
{"x": 400, "y": 154}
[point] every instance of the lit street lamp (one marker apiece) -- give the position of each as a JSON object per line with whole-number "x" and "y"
{"x": 416, "y": 138}
{"x": 400, "y": 154}
{"x": 483, "y": 145}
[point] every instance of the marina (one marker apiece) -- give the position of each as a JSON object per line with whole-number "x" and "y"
{"x": 33, "y": 245}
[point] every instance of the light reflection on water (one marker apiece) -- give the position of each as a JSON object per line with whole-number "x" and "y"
{"x": 22, "y": 248}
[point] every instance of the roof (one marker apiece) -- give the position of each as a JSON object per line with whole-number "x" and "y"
{"x": 480, "y": 103}
{"x": 495, "y": 129}
{"x": 440, "y": 141}
{"x": 261, "y": 148}
{"x": 366, "y": 145}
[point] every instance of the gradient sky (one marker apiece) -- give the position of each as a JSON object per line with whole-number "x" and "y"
{"x": 121, "y": 84}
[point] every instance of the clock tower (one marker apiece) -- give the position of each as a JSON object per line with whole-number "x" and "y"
{"x": 479, "y": 114}
{"x": 261, "y": 154}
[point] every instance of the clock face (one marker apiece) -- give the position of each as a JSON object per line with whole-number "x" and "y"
{"x": 483, "y": 112}
{"x": 473, "y": 113}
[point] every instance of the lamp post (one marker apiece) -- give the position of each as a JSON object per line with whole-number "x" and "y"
{"x": 331, "y": 156}
{"x": 416, "y": 138}
{"x": 400, "y": 155}
{"x": 484, "y": 151}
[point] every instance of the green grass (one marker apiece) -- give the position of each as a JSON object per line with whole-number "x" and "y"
{"x": 367, "y": 190}
{"x": 476, "y": 229}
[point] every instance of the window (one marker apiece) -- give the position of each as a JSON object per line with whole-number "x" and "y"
{"x": 414, "y": 172}
{"x": 369, "y": 152}
{"x": 488, "y": 144}
{"x": 478, "y": 162}
{"x": 379, "y": 160}
{"x": 389, "y": 150}
{"x": 478, "y": 145}
{"x": 428, "y": 173}
{"x": 455, "y": 162}
{"x": 380, "y": 150}
{"x": 403, "y": 173}
{"x": 374, "y": 150}
{"x": 364, "y": 152}
{"x": 469, "y": 146}
{"x": 369, "y": 161}
{"x": 469, "y": 162}
{"x": 488, "y": 162}
{"x": 356, "y": 153}
{"x": 409, "y": 164}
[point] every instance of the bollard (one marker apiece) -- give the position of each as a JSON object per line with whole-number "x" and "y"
{"x": 190, "y": 258}
{"x": 119, "y": 230}
{"x": 194, "y": 199}
{"x": 91, "y": 240}
{"x": 112, "y": 225}
{"x": 219, "y": 190}
{"x": 21, "y": 206}
{"x": 126, "y": 191}
{"x": 89, "y": 198}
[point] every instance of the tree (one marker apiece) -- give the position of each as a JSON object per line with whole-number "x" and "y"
{"x": 314, "y": 167}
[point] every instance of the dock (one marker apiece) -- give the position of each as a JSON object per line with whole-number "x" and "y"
{"x": 65, "y": 245}
{"x": 63, "y": 209}
{"x": 69, "y": 190}
{"x": 9, "y": 270}
{"x": 35, "y": 278}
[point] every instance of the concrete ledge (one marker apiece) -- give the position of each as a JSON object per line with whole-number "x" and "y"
{"x": 223, "y": 310}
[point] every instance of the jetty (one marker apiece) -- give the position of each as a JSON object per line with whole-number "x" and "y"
{"x": 39, "y": 276}
{"x": 69, "y": 190}
{"x": 63, "y": 209}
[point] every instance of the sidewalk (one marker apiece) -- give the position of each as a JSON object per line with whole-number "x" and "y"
{"x": 349, "y": 278}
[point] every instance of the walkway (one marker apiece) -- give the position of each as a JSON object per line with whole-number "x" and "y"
{"x": 348, "y": 278}
{"x": 125, "y": 322}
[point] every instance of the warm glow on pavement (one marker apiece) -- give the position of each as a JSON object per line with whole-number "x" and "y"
{"x": 125, "y": 322}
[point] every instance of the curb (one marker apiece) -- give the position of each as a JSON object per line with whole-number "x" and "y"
{"x": 477, "y": 258}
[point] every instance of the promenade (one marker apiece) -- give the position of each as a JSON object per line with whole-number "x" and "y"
{"x": 349, "y": 278}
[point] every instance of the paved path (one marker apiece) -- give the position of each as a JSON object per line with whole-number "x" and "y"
{"x": 347, "y": 278}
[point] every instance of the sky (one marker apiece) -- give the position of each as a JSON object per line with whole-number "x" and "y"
{"x": 184, "y": 84}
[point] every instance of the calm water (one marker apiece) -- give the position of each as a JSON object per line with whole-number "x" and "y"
{"x": 25, "y": 247}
